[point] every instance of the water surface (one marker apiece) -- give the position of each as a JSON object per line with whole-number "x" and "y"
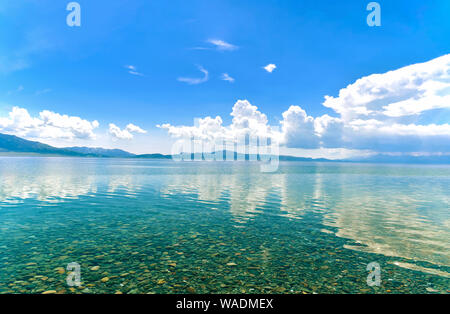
{"x": 151, "y": 226}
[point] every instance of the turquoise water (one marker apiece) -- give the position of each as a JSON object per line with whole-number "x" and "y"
{"x": 150, "y": 226}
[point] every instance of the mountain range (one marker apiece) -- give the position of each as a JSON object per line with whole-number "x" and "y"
{"x": 13, "y": 145}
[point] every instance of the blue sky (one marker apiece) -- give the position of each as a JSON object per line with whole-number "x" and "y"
{"x": 318, "y": 47}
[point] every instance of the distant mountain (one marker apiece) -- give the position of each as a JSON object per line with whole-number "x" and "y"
{"x": 11, "y": 143}
{"x": 230, "y": 155}
{"x": 118, "y": 153}
{"x": 153, "y": 156}
{"x": 384, "y": 158}
{"x": 14, "y": 145}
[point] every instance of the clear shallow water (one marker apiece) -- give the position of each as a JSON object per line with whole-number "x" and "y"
{"x": 149, "y": 226}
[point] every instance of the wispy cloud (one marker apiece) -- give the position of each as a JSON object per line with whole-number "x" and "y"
{"x": 200, "y": 48}
{"x": 43, "y": 91}
{"x": 17, "y": 90}
{"x": 226, "y": 77}
{"x": 270, "y": 67}
{"x": 195, "y": 81}
{"x": 217, "y": 44}
{"x": 222, "y": 45}
{"x": 32, "y": 43}
{"x": 133, "y": 70}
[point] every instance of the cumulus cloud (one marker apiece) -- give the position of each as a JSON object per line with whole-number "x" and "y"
{"x": 125, "y": 134}
{"x": 380, "y": 113}
{"x": 298, "y": 128}
{"x": 135, "y": 129}
{"x": 247, "y": 120}
{"x": 408, "y": 91}
{"x": 270, "y": 67}
{"x": 195, "y": 81}
{"x": 48, "y": 125}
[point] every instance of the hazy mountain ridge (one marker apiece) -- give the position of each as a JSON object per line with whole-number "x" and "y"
{"x": 15, "y": 144}
{"x": 98, "y": 151}
{"x": 11, "y": 144}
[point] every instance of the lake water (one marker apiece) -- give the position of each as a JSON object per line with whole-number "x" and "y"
{"x": 153, "y": 226}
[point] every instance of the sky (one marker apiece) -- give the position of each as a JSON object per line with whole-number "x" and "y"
{"x": 138, "y": 74}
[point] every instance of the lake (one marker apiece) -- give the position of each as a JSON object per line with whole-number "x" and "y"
{"x": 154, "y": 226}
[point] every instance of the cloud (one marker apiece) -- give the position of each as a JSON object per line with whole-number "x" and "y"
{"x": 48, "y": 125}
{"x": 43, "y": 91}
{"x": 380, "y": 113}
{"x": 29, "y": 44}
{"x": 408, "y": 91}
{"x": 270, "y": 67}
{"x": 195, "y": 81}
{"x": 247, "y": 120}
{"x": 226, "y": 77}
{"x": 222, "y": 45}
{"x": 298, "y": 128}
{"x": 135, "y": 129}
{"x": 125, "y": 134}
{"x": 17, "y": 90}
{"x": 133, "y": 70}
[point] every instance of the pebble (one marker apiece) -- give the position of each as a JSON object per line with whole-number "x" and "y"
{"x": 105, "y": 279}
{"x": 431, "y": 290}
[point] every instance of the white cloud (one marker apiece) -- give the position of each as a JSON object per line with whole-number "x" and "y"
{"x": 246, "y": 120}
{"x": 43, "y": 91}
{"x": 133, "y": 70}
{"x": 380, "y": 112}
{"x": 206, "y": 129}
{"x": 270, "y": 67}
{"x": 410, "y": 90}
{"x": 222, "y": 45}
{"x": 135, "y": 129}
{"x": 195, "y": 81}
{"x": 298, "y": 128}
{"x": 227, "y": 77}
{"x": 117, "y": 133}
{"x": 30, "y": 43}
{"x": 17, "y": 90}
{"x": 125, "y": 134}
{"x": 48, "y": 125}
